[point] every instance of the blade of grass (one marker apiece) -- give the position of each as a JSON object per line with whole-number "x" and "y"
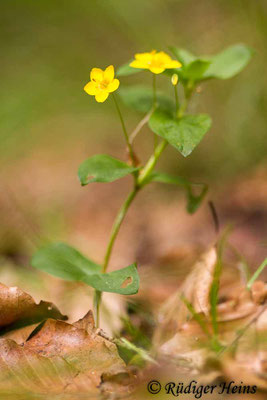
{"x": 122, "y": 342}
{"x": 214, "y": 290}
{"x": 256, "y": 274}
{"x": 198, "y": 318}
{"x": 243, "y": 265}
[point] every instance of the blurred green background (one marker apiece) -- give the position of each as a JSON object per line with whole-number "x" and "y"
{"x": 49, "y": 46}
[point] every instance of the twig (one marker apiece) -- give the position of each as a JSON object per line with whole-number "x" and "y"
{"x": 241, "y": 333}
{"x": 140, "y": 126}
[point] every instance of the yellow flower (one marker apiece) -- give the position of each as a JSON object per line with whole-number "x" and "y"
{"x": 102, "y": 83}
{"x": 155, "y": 61}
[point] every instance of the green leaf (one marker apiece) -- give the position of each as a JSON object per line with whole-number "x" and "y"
{"x": 140, "y": 98}
{"x": 166, "y": 178}
{"x": 193, "y": 200}
{"x": 224, "y": 65}
{"x": 184, "y": 134}
{"x": 63, "y": 261}
{"x": 182, "y": 55}
{"x": 125, "y": 70}
{"x": 143, "y": 354}
{"x": 103, "y": 168}
{"x": 195, "y": 70}
{"x": 229, "y": 62}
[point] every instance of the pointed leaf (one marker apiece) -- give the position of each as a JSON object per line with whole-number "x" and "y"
{"x": 103, "y": 168}
{"x": 63, "y": 261}
{"x": 193, "y": 200}
{"x": 182, "y": 55}
{"x": 229, "y": 62}
{"x": 140, "y": 98}
{"x": 195, "y": 70}
{"x": 184, "y": 134}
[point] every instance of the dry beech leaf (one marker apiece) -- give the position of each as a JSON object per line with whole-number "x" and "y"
{"x": 237, "y": 305}
{"x": 195, "y": 289}
{"x": 245, "y": 372}
{"x": 18, "y": 309}
{"x": 60, "y": 358}
{"x": 179, "y": 335}
{"x": 259, "y": 292}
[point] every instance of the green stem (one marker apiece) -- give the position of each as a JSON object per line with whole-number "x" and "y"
{"x": 183, "y": 108}
{"x": 154, "y": 91}
{"x": 114, "y": 232}
{"x": 155, "y": 106}
{"x": 116, "y": 226}
{"x": 129, "y": 146}
{"x": 177, "y": 105}
{"x": 188, "y": 92}
{"x": 144, "y": 175}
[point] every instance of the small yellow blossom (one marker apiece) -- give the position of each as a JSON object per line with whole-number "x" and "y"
{"x": 102, "y": 83}
{"x": 155, "y": 61}
{"x": 174, "y": 79}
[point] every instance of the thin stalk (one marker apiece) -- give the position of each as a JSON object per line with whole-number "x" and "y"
{"x": 177, "y": 105}
{"x": 151, "y": 163}
{"x": 114, "y": 232}
{"x": 188, "y": 91}
{"x": 147, "y": 116}
{"x": 154, "y": 91}
{"x": 129, "y": 146}
{"x": 256, "y": 274}
{"x": 116, "y": 226}
{"x": 155, "y": 106}
{"x": 140, "y": 125}
{"x": 182, "y": 108}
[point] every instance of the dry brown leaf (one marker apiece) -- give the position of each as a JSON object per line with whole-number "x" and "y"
{"x": 60, "y": 358}
{"x": 238, "y": 309}
{"x": 259, "y": 292}
{"x": 18, "y": 309}
{"x": 195, "y": 289}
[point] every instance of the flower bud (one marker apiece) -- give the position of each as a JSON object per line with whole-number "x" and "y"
{"x": 174, "y": 79}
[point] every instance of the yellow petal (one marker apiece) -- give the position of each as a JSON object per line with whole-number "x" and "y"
{"x": 162, "y": 56}
{"x": 173, "y": 64}
{"x": 138, "y": 64}
{"x": 96, "y": 74}
{"x": 101, "y": 96}
{"x": 109, "y": 73}
{"x": 113, "y": 85}
{"x": 90, "y": 88}
{"x": 145, "y": 57}
{"x": 157, "y": 70}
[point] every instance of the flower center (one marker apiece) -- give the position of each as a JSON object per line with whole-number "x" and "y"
{"x": 156, "y": 63}
{"x": 102, "y": 85}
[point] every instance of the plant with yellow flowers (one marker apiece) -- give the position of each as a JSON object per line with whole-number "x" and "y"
{"x": 170, "y": 121}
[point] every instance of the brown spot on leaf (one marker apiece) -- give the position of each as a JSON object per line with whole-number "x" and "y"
{"x": 127, "y": 282}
